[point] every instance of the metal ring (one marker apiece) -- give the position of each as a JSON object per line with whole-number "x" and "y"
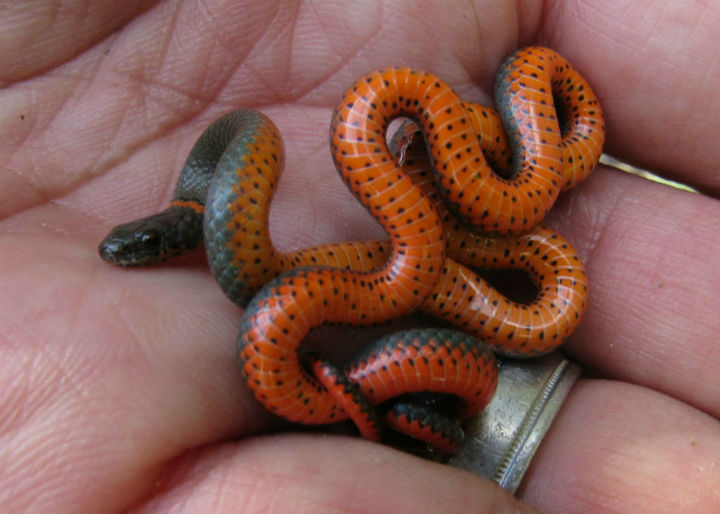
{"x": 501, "y": 441}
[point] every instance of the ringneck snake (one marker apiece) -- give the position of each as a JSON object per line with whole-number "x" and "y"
{"x": 446, "y": 211}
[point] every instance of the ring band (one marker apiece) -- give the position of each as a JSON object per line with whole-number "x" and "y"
{"x": 501, "y": 441}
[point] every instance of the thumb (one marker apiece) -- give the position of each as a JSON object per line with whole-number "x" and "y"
{"x": 321, "y": 473}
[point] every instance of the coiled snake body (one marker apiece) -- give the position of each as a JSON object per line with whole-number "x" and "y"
{"x": 445, "y": 211}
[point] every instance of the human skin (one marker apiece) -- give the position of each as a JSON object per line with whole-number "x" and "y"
{"x": 120, "y": 389}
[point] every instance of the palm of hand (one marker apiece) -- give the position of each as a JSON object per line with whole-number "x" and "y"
{"x": 127, "y": 380}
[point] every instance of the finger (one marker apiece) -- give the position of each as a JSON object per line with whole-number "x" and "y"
{"x": 303, "y": 473}
{"x": 615, "y": 447}
{"x": 656, "y": 71}
{"x": 650, "y": 253}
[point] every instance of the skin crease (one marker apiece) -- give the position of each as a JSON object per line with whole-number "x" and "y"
{"x": 120, "y": 388}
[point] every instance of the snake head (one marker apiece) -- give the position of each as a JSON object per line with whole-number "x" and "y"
{"x": 153, "y": 239}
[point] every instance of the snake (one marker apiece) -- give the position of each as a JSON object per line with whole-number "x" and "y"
{"x": 461, "y": 187}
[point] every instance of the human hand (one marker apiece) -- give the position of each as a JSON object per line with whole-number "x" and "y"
{"x": 121, "y": 389}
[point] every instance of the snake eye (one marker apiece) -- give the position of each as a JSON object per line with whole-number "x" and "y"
{"x": 150, "y": 239}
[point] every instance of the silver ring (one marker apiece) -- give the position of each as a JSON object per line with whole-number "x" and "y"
{"x": 501, "y": 441}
